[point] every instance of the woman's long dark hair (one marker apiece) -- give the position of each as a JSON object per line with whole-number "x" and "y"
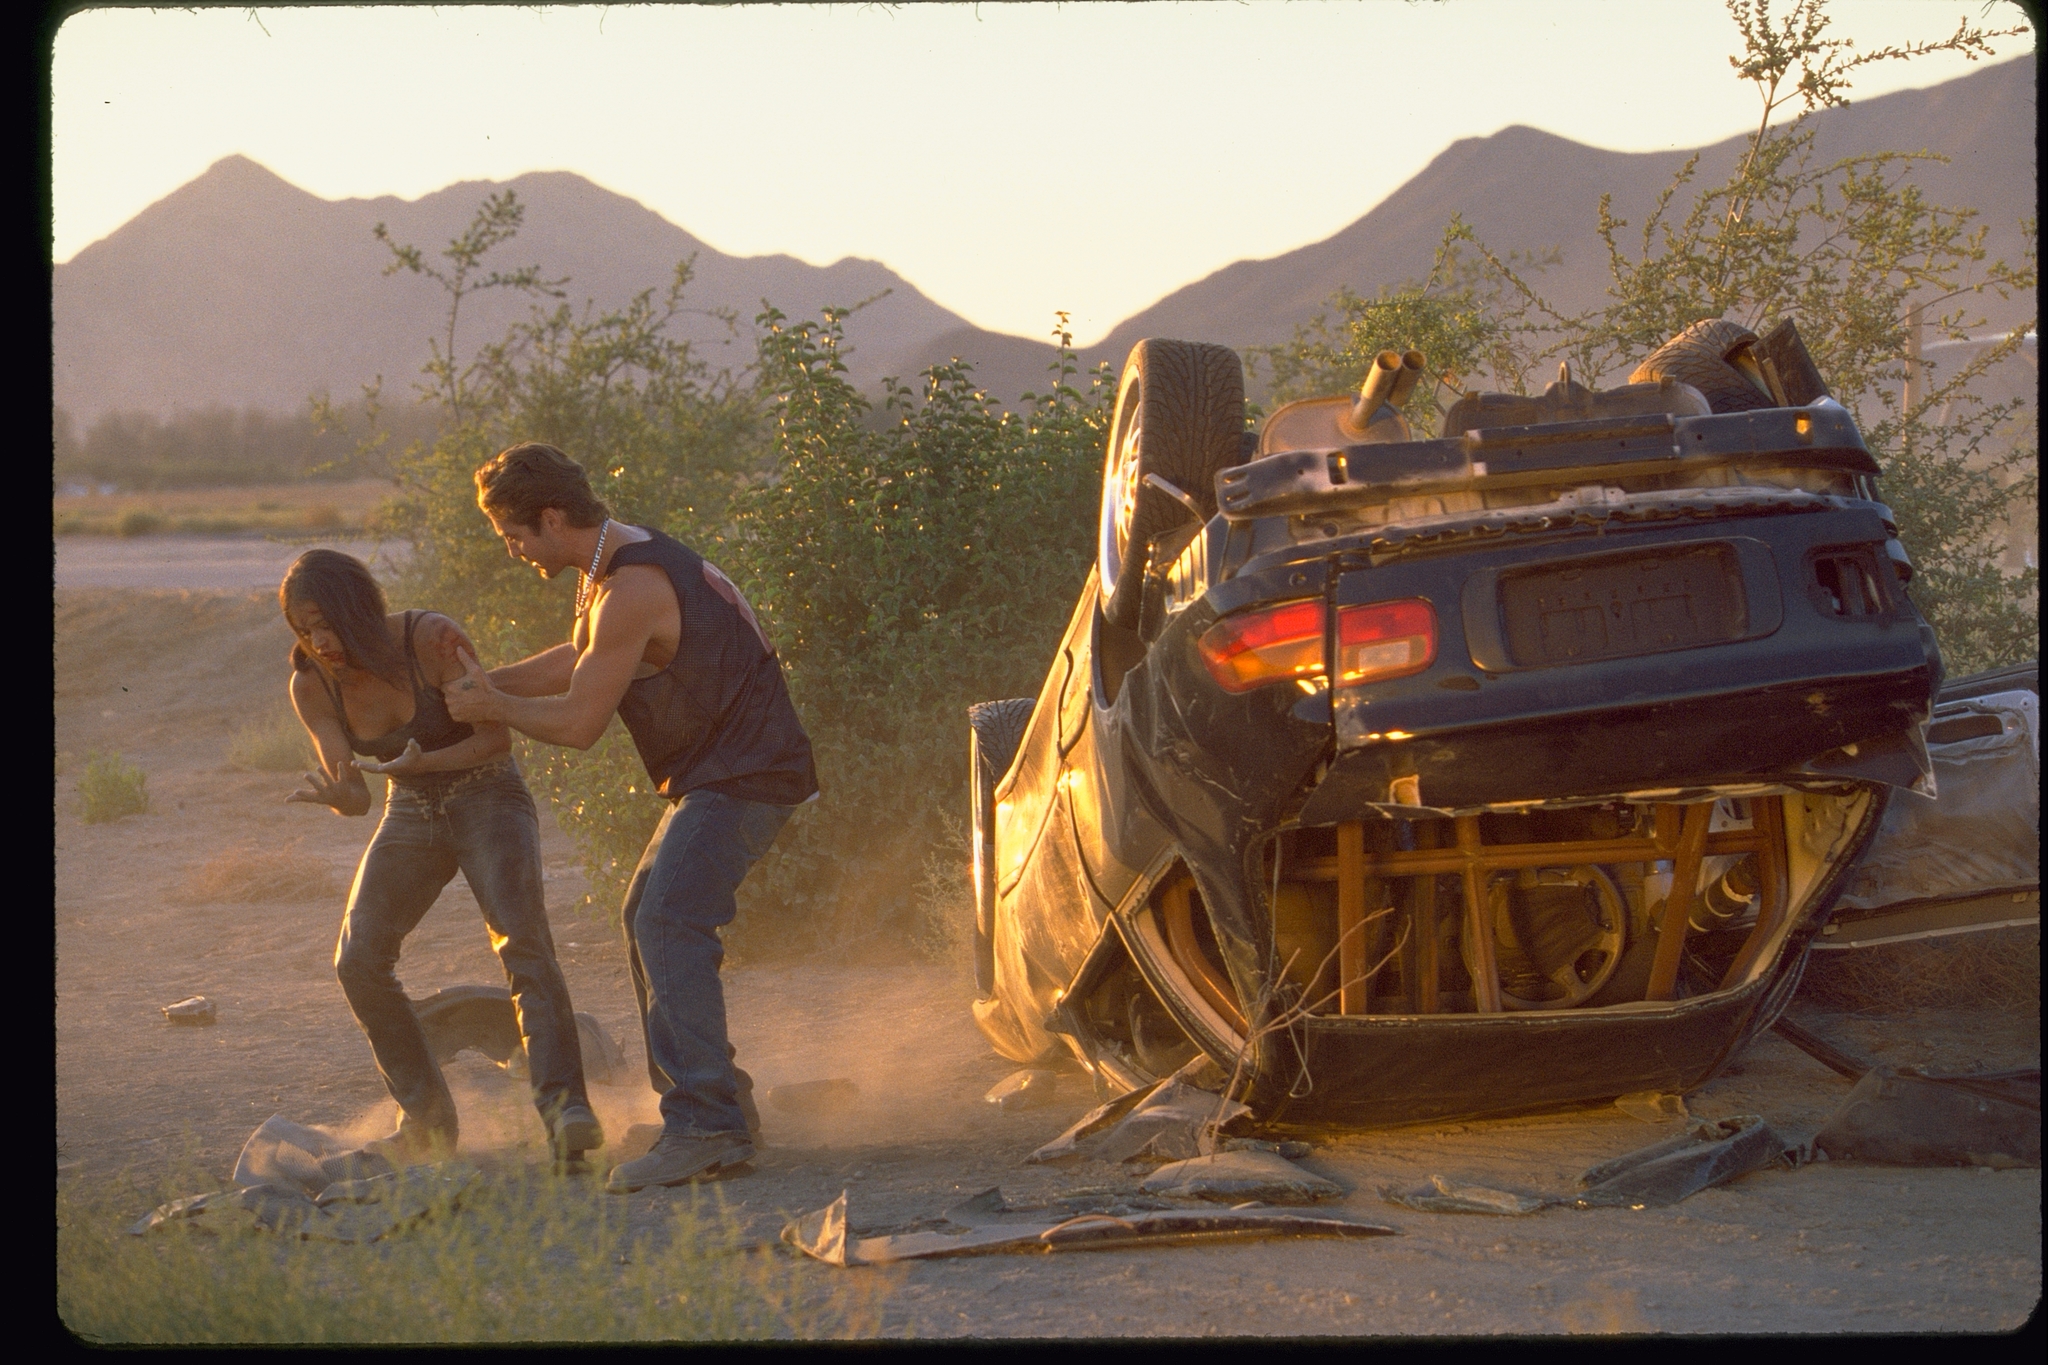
{"x": 341, "y": 586}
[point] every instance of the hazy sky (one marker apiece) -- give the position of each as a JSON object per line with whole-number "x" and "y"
{"x": 1008, "y": 159}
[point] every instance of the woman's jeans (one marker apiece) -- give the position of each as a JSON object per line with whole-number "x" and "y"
{"x": 680, "y": 896}
{"x": 481, "y": 821}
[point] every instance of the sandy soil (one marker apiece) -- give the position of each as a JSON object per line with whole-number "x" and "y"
{"x": 165, "y": 676}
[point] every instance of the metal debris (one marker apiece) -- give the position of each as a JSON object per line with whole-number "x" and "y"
{"x": 1905, "y": 1117}
{"x": 292, "y": 1156}
{"x": 193, "y": 1009}
{"x": 1447, "y": 1196}
{"x": 302, "y": 1182}
{"x": 823, "y": 1234}
{"x": 458, "y": 1019}
{"x": 1709, "y": 1153}
{"x": 1231, "y": 1177}
{"x": 1169, "y": 1120}
{"x": 1029, "y": 1089}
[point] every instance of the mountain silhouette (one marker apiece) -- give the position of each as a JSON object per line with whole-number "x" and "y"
{"x": 240, "y": 288}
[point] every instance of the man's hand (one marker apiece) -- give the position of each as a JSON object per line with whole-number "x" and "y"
{"x": 405, "y": 765}
{"x": 339, "y": 794}
{"x": 471, "y": 697}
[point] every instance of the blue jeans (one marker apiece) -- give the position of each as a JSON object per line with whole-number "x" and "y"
{"x": 680, "y": 896}
{"x": 479, "y": 821}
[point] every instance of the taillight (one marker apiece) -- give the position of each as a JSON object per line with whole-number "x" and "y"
{"x": 1375, "y": 641}
{"x": 1383, "y": 640}
{"x": 1260, "y": 647}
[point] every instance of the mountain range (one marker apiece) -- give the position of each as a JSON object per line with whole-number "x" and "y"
{"x": 239, "y": 288}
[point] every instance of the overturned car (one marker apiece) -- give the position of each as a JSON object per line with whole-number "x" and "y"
{"x": 1413, "y": 779}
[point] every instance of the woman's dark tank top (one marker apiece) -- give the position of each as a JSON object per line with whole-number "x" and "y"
{"x": 431, "y": 724}
{"x": 718, "y": 717}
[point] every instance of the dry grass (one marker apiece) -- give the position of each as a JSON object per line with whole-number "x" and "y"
{"x": 524, "y": 1257}
{"x": 252, "y": 874}
{"x": 275, "y": 743}
{"x": 282, "y": 508}
{"x": 1999, "y": 968}
{"x": 110, "y": 788}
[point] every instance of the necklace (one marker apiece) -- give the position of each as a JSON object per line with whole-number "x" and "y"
{"x": 586, "y": 590}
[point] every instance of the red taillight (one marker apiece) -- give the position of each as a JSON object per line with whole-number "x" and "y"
{"x": 1383, "y": 640}
{"x": 1375, "y": 641}
{"x": 1260, "y": 647}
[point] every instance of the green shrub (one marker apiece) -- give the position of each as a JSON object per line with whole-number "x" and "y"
{"x": 111, "y": 787}
{"x": 525, "y": 1257}
{"x": 275, "y": 743}
{"x": 905, "y": 568}
{"x": 136, "y": 522}
{"x": 1846, "y": 248}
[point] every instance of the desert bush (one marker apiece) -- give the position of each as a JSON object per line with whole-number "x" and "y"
{"x": 524, "y": 1257}
{"x": 137, "y": 522}
{"x": 1849, "y": 249}
{"x": 111, "y": 787}
{"x": 249, "y": 873}
{"x": 272, "y": 743}
{"x": 906, "y": 568}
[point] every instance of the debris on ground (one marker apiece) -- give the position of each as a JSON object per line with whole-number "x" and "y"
{"x": 1652, "y": 1106}
{"x": 193, "y": 1009}
{"x": 1235, "y": 1176}
{"x": 1449, "y": 1196}
{"x": 1706, "y": 1154}
{"x": 459, "y": 1019}
{"x": 824, "y": 1234}
{"x": 813, "y": 1097}
{"x": 1906, "y": 1117}
{"x": 302, "y": 1182}
{"x": 1028, "y": 1089}
{"x": 1168, "y": 1120}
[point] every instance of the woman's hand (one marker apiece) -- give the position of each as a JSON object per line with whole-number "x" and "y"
{"x": 340, "y": 794}
{"x": 407, "y": 764}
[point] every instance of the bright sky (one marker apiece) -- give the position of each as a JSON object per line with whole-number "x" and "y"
{"x": 1008, "y": 159}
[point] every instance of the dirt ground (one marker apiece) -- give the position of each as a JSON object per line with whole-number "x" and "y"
{"x": 165, "y": 676}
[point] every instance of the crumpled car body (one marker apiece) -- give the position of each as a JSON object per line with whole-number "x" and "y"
{"x": 1455, "y": 777}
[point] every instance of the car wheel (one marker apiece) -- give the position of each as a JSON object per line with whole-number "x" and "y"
{"x": 1180, "y": 415}
{"x": 1713, "y": 356}
{"x": 994, "y": 729}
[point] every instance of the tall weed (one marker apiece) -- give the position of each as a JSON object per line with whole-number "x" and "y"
{"x": 526, "y": 1257}
{"x": 111, "y": 787}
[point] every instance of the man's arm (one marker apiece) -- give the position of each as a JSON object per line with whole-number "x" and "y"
{"x": 621, "y": 623}
{"x": 546, "y": 674}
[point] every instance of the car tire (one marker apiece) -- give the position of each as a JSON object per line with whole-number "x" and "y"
{"x": 1702, "y": 356}
{"x": 1179, "y": 414}
{"x": 994, "y": 730}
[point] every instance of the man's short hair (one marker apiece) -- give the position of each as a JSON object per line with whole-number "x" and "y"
{"x": 519, "y": 482}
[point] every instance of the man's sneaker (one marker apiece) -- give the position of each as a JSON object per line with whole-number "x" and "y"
{"x": 577, "y": 1131}
{"x": 678, "y": 1160}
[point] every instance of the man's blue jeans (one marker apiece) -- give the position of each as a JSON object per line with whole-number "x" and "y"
{"x": 481, "y": 821}
{"x": 680, "y": 897}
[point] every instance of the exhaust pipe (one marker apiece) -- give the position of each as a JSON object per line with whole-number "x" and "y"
{"x": 1388, "y": 385}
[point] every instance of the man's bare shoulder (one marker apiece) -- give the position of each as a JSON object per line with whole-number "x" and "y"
{"x": 635, "y": 597}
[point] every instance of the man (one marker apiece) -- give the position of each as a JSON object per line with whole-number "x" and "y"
{"x": 665, "y": 640}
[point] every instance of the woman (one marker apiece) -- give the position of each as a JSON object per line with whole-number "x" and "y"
{"x": 456, "y": 800}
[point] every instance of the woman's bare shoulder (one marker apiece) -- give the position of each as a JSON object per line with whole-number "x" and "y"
{"x": 435, "y": 639}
